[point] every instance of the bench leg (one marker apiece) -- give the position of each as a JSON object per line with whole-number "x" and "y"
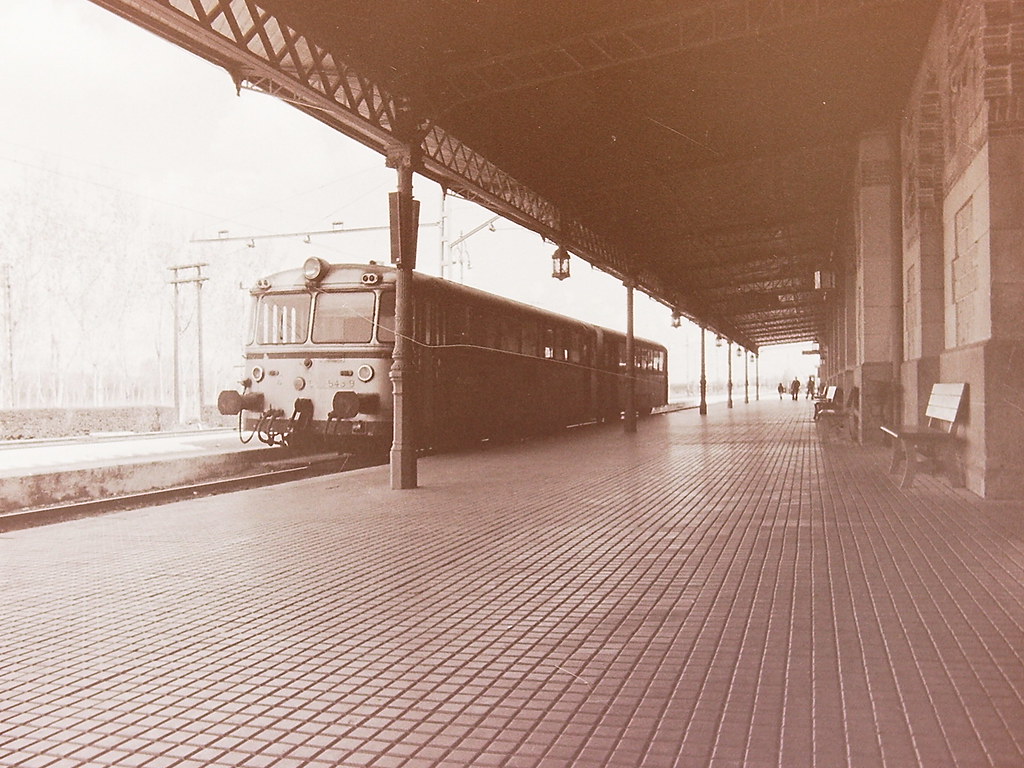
{"x": 910, "y": 463}
{"x": 897, "y": 454}
{"x": 950, "y": 460}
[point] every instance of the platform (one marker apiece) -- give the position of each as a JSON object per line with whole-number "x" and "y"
{"x": 725, "y": 591}
{"x": 42, "y": 473}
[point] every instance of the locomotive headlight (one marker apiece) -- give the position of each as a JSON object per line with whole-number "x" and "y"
{"x": 365, "y": 373}
{"x": 300, "y": 383}
{"x": 314, "y": 269}
{"x": 257, "y": 373}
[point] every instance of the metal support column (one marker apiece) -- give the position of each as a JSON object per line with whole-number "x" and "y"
{"x": 746, "y": 376}
{"x": 630, "y": 420}
{"x": 703, "y": 373}
{"x": 729, "y": 353}
{"x": 403, "y": 254}
{"x": 757, "y": 376}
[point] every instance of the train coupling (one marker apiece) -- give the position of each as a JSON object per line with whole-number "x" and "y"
{"x": 231, "y": 403}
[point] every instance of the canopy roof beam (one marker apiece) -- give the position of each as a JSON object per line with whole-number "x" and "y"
{"x": 709, "y": 23}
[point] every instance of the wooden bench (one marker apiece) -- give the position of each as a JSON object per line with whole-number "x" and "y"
{"x": 827, "y": 401}
{"x": 837, "y": 416}
{"x": 937, "y": 439}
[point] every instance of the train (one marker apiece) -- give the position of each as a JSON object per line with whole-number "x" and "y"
{"x": 318, "y": 352}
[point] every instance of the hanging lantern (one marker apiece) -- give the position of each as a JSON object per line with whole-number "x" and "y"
{"x": 677, "y": 319}
{"x": 560, "y": 263}
{"x": 718, "y": 341}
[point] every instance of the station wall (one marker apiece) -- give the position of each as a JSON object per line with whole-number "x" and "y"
{"x": 952, "y": 288}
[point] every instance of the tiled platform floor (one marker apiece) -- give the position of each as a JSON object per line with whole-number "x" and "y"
{"x": 731, "y": 592}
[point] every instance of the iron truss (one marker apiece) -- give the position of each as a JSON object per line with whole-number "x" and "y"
{"x": 709, "y": 23}
{"x": 263, "y": 53}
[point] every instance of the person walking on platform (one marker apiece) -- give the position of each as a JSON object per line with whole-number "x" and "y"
{"x": 794, "y": 388}
{"x": 782, "y": 390}
{"x": 810, "y": 388}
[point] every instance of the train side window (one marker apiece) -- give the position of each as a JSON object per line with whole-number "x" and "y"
{"x": 343, "y": 317}
{"x": 433, "y": 330}
{"x": 549, "y": 343}
{"x": 575, "y": 347}
{"x": 529, "y": 339}
{"x": 282, "y": 318}
{"x": 441, "y": 327}
{"x": 489, "y": 329}
{"x": 509, "y": 336}
{"x": 475, "y": 328}
{"x": 455, "y": 325}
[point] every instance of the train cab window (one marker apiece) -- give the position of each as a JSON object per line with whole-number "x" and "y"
{"x": 250, "y": 319}
{"x": 386, "y": 318}
{"x": 282, "y": 318}
{"x": 343, "y": 318}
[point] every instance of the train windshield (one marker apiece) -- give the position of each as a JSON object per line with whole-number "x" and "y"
{"x": 344, "y": 318}
{"x": 281, "y": 318}
{"x": 386, "y": 320}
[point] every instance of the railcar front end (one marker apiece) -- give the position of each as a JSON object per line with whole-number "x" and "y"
{"x": 317, "y": 358}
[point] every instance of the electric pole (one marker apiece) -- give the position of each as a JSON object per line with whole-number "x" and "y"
{"x": 196, "y": 279}
{"x": 7, "y": 392}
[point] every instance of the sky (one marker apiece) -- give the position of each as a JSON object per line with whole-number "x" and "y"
{"x": 91, "y": 99}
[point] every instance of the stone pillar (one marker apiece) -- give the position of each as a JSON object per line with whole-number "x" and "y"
{"x": 1004, "y": 352}
{"x": 878, "y": 258}
{"x": 923, "y": 305}
{"x": 848, "y": 322}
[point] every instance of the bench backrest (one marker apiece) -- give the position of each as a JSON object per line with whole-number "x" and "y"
{"x": 944, "y": 405}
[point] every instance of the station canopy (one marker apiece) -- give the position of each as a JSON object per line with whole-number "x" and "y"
{"x": 702, "y": 150}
